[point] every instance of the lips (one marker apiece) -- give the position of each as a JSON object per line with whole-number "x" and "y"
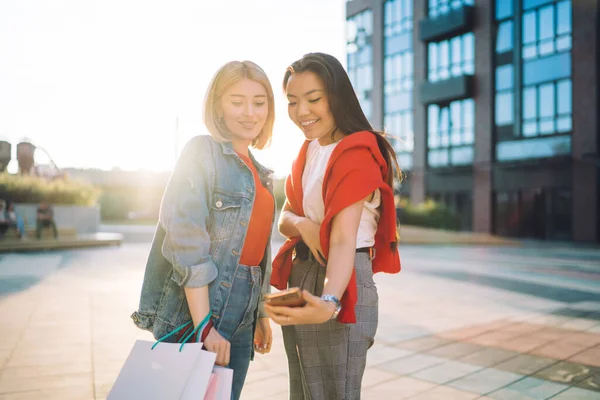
{"x": 248, "y": 125}
{"x": 307, "y": 124}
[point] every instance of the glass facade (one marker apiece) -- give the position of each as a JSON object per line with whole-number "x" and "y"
{"x": 441, "y": 7}
{"x": 398, "y": 78}
{"x": 451, "y": 133}
{"x": 450, "y": 58}
{"x": 544, "y": 90}
{"x": 359, "y": 36}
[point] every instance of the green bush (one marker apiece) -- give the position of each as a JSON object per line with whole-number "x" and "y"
{"x": 32, "y": 189}
{"x": 428, "y": 214}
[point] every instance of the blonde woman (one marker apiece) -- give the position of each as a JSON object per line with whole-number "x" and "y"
{"x": 209, "y": 265}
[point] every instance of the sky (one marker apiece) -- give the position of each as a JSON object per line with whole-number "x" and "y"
{"x": 120, "y": 83}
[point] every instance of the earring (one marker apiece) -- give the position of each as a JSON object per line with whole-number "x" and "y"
{"x": 220, "y": 119}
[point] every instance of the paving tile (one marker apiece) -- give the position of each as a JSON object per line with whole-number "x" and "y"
{"x": 485, "y": 381}
{"x": 589, "y": 339}
{"x": 380, "y": 353}
{"x": 445, "y": 393}
{"x": 446, "y": 372}
{"x": 464, "y": 333}
{"x": 580, "y": 324}
{"x": 488, "y": 357}
{"x": 8, "y": 385}
{"x": 375, "y": 376}
{"x": 493, "y": 338}
{"x": 400, "y": 388}
{"x": 525, "y": 364}
{"x": 84, "y": 392}
{"x": 60, "y": 367}
{"x": 576, "y": 394}
{"x": 411, "y": 364}
{"x": 530, "y": 388}
{"x": 591, "y": 383}
{"x": 559, "y": 350}
{"x": 523, "y": 327}
{"x": 567, "y": 373}
{"x": 422, "y": 344}
{"x": 523, "y": 344}
{"x": 588, "y": 357}
{"x": 455, "y": 350}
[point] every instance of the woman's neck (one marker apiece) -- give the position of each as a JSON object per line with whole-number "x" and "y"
{"x": 241, "y": 146}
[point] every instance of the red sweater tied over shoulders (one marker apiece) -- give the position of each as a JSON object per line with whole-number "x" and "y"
{"x": 355, "y": 169}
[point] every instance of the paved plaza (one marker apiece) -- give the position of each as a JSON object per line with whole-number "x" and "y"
{"x": 456, "y": 323}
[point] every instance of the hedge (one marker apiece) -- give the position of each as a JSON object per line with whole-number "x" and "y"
{"x": 32, "y": 189}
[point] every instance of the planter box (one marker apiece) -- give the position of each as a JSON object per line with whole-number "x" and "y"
{"x": 81, "y": 218}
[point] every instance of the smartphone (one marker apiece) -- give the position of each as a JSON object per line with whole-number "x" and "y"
{"x": 291, "y": 297}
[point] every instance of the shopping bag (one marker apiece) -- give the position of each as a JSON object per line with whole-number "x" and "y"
{"x": 164, "y": 371}
{"x": 220, "y": 388}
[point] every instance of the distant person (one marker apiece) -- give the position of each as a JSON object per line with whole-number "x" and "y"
{"x": 209, "y": 265}
{"x": 14, "y": 220}
{"x": 45, "y": 219}
{"x": 340, "y": 221}
{"x": 3, "y": 220}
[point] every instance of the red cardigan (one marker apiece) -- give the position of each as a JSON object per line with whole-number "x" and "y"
{"x": 355, "y": 169}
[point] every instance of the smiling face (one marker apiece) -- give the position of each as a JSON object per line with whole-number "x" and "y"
{"x": 244, "y": 110}
{"x": 309, "y": 107}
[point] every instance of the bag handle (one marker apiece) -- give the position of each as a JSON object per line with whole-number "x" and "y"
{"x": 186, "y": 338}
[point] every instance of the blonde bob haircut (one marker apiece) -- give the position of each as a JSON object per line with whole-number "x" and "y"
{"x": 227, "y": 75}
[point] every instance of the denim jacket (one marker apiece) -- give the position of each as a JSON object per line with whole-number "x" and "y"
{"x": 202, "y": 225}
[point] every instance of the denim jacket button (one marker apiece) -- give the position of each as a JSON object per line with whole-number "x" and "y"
{"x": 219, "y": 204}
{"x": 235, "y": 253}
{"x": 225, "y": 284}
{"x": 243, "y": 223}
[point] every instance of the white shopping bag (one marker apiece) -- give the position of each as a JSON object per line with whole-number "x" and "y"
{"x": 220, "y": 387}
{"x": 164, "y": 372}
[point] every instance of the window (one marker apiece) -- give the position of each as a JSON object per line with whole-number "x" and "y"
{"x": 450, "y": 58}
{"x": 398, "y": 78}
{"x": 546, "y": 29}
{"x": 360, "y": 57}
{"x": 441, "y": 7}
{"x": 451, "y": 133}
{"x": 543, "y": 92}
{"x": 546, "y": 93}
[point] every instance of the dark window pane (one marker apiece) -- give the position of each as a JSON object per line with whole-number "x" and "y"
{"x": 503, "y": 9}
{"x": 529, "y": 27}
{"x": 527, "y": 4}
{"x": 504, "y": 77}
{"x": 564, "y": 93}
{"x": 530, "y": 129}
{"x": 546, "y": 22}
{"x": 504, "y": 40}
{"x": 563, "y": 14}
{"x": 533, "y": 148}
{"x": 546, "y": 96}
{"x": 507, "y": 219}
{"x": 529, "y": 103}
{"x": 504, "y": 108}
{"x": 564, "y": 124}
{"x": 547, "y": 69}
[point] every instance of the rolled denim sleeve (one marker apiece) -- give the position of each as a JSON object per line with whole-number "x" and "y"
{"x": 266, "y": 283}
{"x": 184, "y": 215}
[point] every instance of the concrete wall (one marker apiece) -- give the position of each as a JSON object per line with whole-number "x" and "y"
{"x": 83, "y": 219}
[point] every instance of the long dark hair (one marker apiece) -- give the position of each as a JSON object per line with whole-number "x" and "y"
{"x": 345, "y": 108}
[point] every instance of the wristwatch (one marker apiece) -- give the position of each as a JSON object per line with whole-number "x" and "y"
{"x": 332, "y": 299}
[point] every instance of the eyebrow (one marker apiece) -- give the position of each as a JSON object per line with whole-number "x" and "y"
{"x": 307, "y": 93}
{"x": 241, "y": 95}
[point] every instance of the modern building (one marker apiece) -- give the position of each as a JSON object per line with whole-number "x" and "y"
{"x": 494, "y": 105}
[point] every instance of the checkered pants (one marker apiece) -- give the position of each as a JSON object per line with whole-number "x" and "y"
{"x": 327, "y": 361}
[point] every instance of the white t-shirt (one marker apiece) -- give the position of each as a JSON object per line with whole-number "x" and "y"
{"x": 317, "y": 157}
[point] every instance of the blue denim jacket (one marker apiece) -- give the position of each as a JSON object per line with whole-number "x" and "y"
{"x": 202, "y": 226}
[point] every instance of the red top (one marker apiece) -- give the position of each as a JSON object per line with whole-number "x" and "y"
{"x": 355, "y": 169}
{"x": 261, "y": 220}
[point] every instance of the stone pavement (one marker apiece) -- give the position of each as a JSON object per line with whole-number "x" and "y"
{"x": 457, "y": 323}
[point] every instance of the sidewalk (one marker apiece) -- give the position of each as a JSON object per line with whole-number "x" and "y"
{"x": 66, "y": 330}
